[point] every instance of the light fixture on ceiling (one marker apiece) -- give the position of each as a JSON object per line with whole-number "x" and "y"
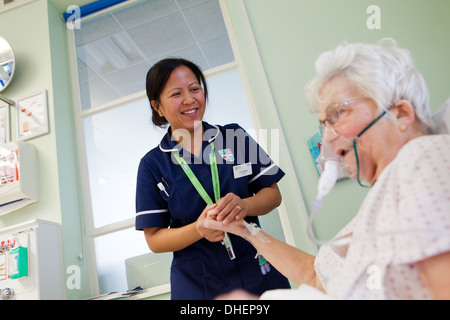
{"x": 103, "y": 56}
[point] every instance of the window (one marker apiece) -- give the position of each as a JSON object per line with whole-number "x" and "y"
{"x": 114, "y": 51}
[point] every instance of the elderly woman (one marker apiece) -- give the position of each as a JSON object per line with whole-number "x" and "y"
{"x": 374, "y": 111}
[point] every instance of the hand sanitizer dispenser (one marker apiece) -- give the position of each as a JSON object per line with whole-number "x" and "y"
{"x": 18, "y": 263}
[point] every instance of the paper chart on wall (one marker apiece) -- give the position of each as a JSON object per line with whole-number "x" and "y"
{"x": 32, "y": 119}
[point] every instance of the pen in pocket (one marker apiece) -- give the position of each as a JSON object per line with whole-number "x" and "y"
{"x": 162, "y": 188}
{"x": 164, "y": 182}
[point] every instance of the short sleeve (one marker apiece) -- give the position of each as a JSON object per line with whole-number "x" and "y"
{"x": 424, "y": 199}
{"x": 151, "y": 209}
{"x": 265, "y": 171}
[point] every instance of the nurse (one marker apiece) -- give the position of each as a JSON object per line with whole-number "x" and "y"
{"x": 197, "y": 164}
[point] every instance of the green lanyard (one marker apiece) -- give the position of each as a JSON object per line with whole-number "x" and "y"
{"x": 197, "y": 185}
{"x": 202, "y": 192}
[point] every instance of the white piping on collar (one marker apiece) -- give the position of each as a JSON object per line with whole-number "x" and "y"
{"x": 217, "y": 133}
{"x": 209, "y": 141}
{"x": 167, "y": 150}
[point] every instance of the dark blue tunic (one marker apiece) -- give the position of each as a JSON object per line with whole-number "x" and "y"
{"x": 204, "y": 270}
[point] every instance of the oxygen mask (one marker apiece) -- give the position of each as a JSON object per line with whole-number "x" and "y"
{"x": 335, "y": 167}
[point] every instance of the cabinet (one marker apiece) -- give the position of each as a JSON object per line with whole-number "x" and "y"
{"x": 45, "y": 277}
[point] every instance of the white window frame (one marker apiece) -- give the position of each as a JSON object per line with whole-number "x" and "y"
{"x": 79, "y": 115}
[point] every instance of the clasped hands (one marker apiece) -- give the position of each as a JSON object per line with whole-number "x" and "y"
{"x": 221, "y": 217}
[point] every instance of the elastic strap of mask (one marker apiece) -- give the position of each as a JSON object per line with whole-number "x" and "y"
{"x": 356, "y": 151}
{"x": 371, "y": 124}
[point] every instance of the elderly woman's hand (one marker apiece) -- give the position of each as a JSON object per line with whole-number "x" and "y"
{"x": 210, "y": 223}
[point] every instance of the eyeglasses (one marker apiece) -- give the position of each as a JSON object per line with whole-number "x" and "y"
{"x": 334, "y": 113}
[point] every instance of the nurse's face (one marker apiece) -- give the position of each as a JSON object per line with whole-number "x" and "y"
{"x": 182, "y": 101}
{"x": 372, "y": 146}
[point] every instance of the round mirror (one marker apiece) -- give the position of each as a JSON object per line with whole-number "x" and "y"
{"x": 7, "y": 64}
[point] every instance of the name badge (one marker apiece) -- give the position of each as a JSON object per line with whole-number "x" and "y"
{"x": 242, "y": 170}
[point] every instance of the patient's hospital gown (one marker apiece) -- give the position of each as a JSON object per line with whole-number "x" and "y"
{"x": 405, "y": 218}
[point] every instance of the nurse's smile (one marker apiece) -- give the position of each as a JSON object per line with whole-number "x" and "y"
{"x": 190, "y": 113}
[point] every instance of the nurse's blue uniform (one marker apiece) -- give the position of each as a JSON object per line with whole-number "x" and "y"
{"x": 204, "y": 270}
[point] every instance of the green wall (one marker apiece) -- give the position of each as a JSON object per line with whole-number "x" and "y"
{"x": 37, "y": 35}
{"x": 290, "y": 34}
{"x": 31, "y": 47}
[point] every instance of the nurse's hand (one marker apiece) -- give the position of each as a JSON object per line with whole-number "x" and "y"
{"x": 236, "y": 227}
{"x": 208, "y": 233}
{"x": 229, "y": 208}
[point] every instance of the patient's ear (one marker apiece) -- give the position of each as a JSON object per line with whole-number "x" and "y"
{"x": 403, "y": 112}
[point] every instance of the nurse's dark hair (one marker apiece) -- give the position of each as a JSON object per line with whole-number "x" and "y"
{"x": 157, "y": 77}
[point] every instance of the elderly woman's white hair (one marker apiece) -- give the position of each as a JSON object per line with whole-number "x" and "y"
{"x": 383, "y": 72}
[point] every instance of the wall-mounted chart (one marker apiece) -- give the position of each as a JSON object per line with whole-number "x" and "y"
{"x": 32, "y": 116}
